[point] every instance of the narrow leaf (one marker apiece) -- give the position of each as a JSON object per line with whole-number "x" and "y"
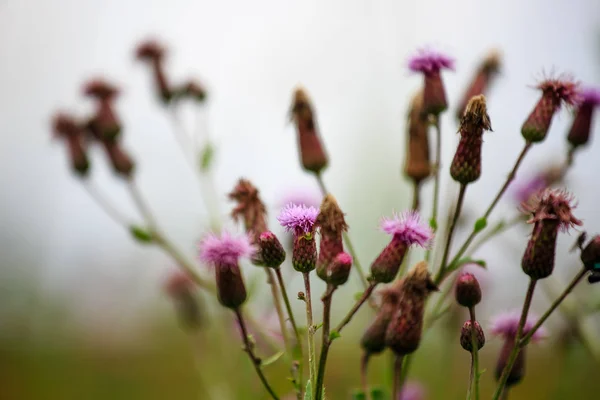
{"x": 480, "y": 224}
{"x": 334, "y": 335}
{"x": 272, "y": 359}
{"x": 308, "y": 391}
{"x": 140, "y": 234}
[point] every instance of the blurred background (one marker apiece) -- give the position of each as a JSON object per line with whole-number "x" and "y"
{"x": 83, "y": 313}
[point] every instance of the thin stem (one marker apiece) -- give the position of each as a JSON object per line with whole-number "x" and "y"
{"x": 140, "y": 203}
{"x": 249, "y": 349}
{"x": 347, "y": 240}
{"x": 505, "y": 393}
{"x": 498, "y": 228}
{"x": 438, "y": 165}
{"x": 364, "y": 365}
{"x": 509, "y": 179}
{"x": 471, "y": 378}
{"x": 288, "y": 307}
{"x": 105, "y": 204}
{"x": 366, "y": 294}
{"x": 278, "y": 308}
{"x": 516, "y": 348}
{"x": 461, "y": 197}
{"x": 325, "y": 342}
{"x": 416, "y": 203}
{"x": 312, "y": 368}
{"x": 553, "y": 307}
{"x": 397, "y": 386}
{"x": 474, "y": 380}
{"x": 406, "y": 364}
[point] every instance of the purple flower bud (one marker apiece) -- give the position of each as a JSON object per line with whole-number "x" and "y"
{"x": 338, "y": 270}
{"x": 430, "y": 63}
{"x": 271, "y": 251}
{"x": 579, "y": 134}
{"x": 466, "y": 339}
{"x": 468, "y": 291}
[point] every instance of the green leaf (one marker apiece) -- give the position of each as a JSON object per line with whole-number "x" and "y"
{"x": 469, "y": 260}
{"x": 308, "y": 391}
{"x": 433, "y": 224}
{"x": 206, "y": 157}
{"x": 140, "y": 234}
{"x": 318, "y": 326}
{"x": 358, "y": 395}
{"x": 358, "y": 295}
{"x": 480, "y": 224}
{"x": 272, "y": 359}
{"x": 334, "y": 335}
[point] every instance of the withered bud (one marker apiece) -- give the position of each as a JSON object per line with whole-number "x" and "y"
{"x": 373, "y": 340}
{"x": 338, "y": 270}
{"x": 332, "y": 224}
{"x": 150, "y": 50}
{"x": 271, "y": 251}
{"x": 312, "y": 153}
{"x": 418, "y": 165}
{"x": 484, "y": 75}
{"x": 466, "y": 165}
{"x": 249, "y": 208}
{"x": 468, "y": 291}
{"x": 466, "y": 338}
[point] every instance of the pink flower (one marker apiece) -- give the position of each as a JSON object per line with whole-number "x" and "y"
{"x": 412, "y": 391}
{"x": 430, "y": 61}
{"x": 225, "y": 249}
{"x": 506, "y": 324}
{"x": 590, "y": 96}
{"x": 408, "y": 228}
{"x": 298, "y": 219}
{"x": 562, "y": 89}
{"x": 307, "y": 196}
{"x": 552, "y": 204}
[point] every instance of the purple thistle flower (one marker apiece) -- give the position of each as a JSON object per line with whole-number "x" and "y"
{"x": 562, "y": 89}
{"x": 506, "y": 324}
{"x": 225, "y": 249}
{"x": 525, "y": 189}
{"x": 430, "y": 61}
{"x": 553, "y": 204}
{"x": 298, "y": 219}
{"x": 590, "y": 95}
{"x": 412, "y": 391}
{"x": 408, "y": 228}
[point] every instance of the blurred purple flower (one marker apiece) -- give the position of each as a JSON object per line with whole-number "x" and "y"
{"x": 224, "y": 249}
{"x": 408, "y": 228}
{"x": 412, "y": 391}
{"x": 308, "y": 196}
{"x": 506, "y": 324}
{"x": 430, "y": 61}
{"x": 590, "y": 95}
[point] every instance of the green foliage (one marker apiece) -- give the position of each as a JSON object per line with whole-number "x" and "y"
{"x": 480, "y": 224}
{"x": 140, "y": 234}
{"x": 334, "y": 335}
{"x": 433, "y": 224}
{"x": 376, "y": 394}
{"x": 272, "y": 359}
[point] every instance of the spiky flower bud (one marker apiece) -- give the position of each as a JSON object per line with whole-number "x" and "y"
{"x": 312, "y": 153}
{"x": 555, "y": 93}
{"x": 404, "y": 331}
{"x": 249, "y": 208}
{"x": 466, "y": 165}
{"x": 373, "y": 340}
{"x": 406, "y": 229}
{"x": 468, "y": 291}
{"x": 153, "y": 53}
{"x": 271, "y": 251}
{"x": 105, "y": 122}
{"x": 67, "y": 128}
{"x": 418, "y": 165}
{"x": 506, "y": 325}
{"x": 332, "y": 225}
{"x": 338, "y": 270}
{"x": 551, "y": 211}
{"x": 300, "y": 220}
{"x": 486, "y": 72}
{"x": 579, "y": 134}
{"x": 223, "y": 253}
{"x": 466, "y": 340}
{"x": 430, "y": 63}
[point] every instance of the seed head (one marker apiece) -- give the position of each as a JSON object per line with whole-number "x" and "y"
{"x": 249, "y": 208}
{"x": 468, "y": 291}
{"x": 373, "y": 340}
{"x": 298, "y": 219}
{"x": 466, "y": 340}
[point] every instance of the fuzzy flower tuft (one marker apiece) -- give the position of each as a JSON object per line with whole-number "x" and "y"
{"x": 298, "y": 219}
{"x": 408, "y": 227}
{"x": 552, "y": 204}
{"x": 506, "y": 324}
{"x": 226, "y": 249}
{"x": 430, "y": 61}
{"x": 562, "y": 89}
{"x": 412, "y": 391}
{"x": 590, "y": 95}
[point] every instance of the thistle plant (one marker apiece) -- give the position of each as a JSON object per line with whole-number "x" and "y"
{"x": 400, "y": 314}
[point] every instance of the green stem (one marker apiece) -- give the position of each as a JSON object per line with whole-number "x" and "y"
{"x": 105, "y": 204}
{"x": 436, "y": 184}
{"x": 325, "y": 343}
{"x": 364, "y": 365}
{"x": 509, "y": 179}
{"x": 366, "y": 294}
{"x": 459, "y": 203}
{"x": 255, "y": 360}
{"x": 397, "y": 385}
{"x": 312, "y": 367}
{"x": 516, "y": 348}
{"x": 497, "y": 229}
{"x": 474, "y": 382}
{"x": 278, "y": 308}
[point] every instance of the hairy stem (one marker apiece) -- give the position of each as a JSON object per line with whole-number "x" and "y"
{"x": 312, "y": 367}
{"x": 249, "y": 349}
{"x": 325, "y": 343}
{"x": 516, "y": 348}
{"x": 461, "y": 197}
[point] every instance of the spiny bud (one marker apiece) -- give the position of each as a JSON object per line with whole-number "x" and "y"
{"x": 373, "y": 340}
{"x": 555, "y": 92}
{"x": 418, "y": 165}
{"x": 466, "y": 339}
{"x": 480, "y": 84}
{"x": 430, "y": 63}
{"x": 338, "y": 270}
{"x": 579, "y": 134}
{"x": 468, "y": 291}
{"x": 551, "y": 211}
{"x": 312, "y": 154}
{"x": 404, "y": 331}
{"x": 249, "y": 208}
{"x": 67, "y": 128}
{"x": 406, "y": 229}
{"x": 332, "y": 225}
{"x": 271, "y": 251}
{"x": 466, "y": 165}
{"x": 153, "y": 53}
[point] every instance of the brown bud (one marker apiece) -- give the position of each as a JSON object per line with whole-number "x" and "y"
{"x": 590, "y": 255}
{"x": 466, "y": 338}
{"x": 332, "y": 224}
{"x": 468, "y": 291}
{"x": 231, "y": 290}
{"x": 69, "y": 130}
{"x": 100, "y": 90}
{"x": 271, "y": 251}
{"x": 373, "y": 340}
{"x": 312, "y": 153}
{"x": 418, "y": 165}
{"x": 480, "y": 84}
{"x": 338, "y": 270}
{"x": 249, "y": 208}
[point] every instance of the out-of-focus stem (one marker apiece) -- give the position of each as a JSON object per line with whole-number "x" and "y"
{"x": 364, "y": 367}
{"x": 416, "y": 203}
{"x": 278, "y": 309}
{"x": 325, "y": 343}
{"x": 312, "y": 367}
{"x": 474, "y": 380}
{"x": 461, "y": 197}
{"x": 397, "y": 385}
{"x": 105, "y": 204}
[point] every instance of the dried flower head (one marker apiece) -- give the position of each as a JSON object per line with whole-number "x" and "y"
{"x": 331, "y": 217}
{"x": 249, "y": 208}
{"x": 552, "y": 204}
{"x": 408, "y": 228}
{"x": 506, "y": 324}
{"x": 430, "y": 61}
{"x": 466, "y": 339}
{"x": 67, "y": 128}
{"x": 475, "y": 119}
{"x": 150, "y": 50}
{"x": 225, "y": 249}
{"x": 180, "y": 288}
{"x": 298, "y": 219}
{"x": 100, "y": 89}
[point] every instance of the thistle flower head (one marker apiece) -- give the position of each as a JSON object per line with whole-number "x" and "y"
{"x": 430, "y": 61}
{"x": 271, "y": 251}
{"x": 298, "y": 219}
{"x": 562, "y": 90}
{"x": 225, "y": 249}
{"x": 553, "y": 204}
{"x": 100, "y": 89}
{"x": 408, "y": 228}
{"x": 249, "y": 208}
{"x": 149, "y": 50}
{"x": 507, "y": 323}
{"x": 590, "y": 95}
